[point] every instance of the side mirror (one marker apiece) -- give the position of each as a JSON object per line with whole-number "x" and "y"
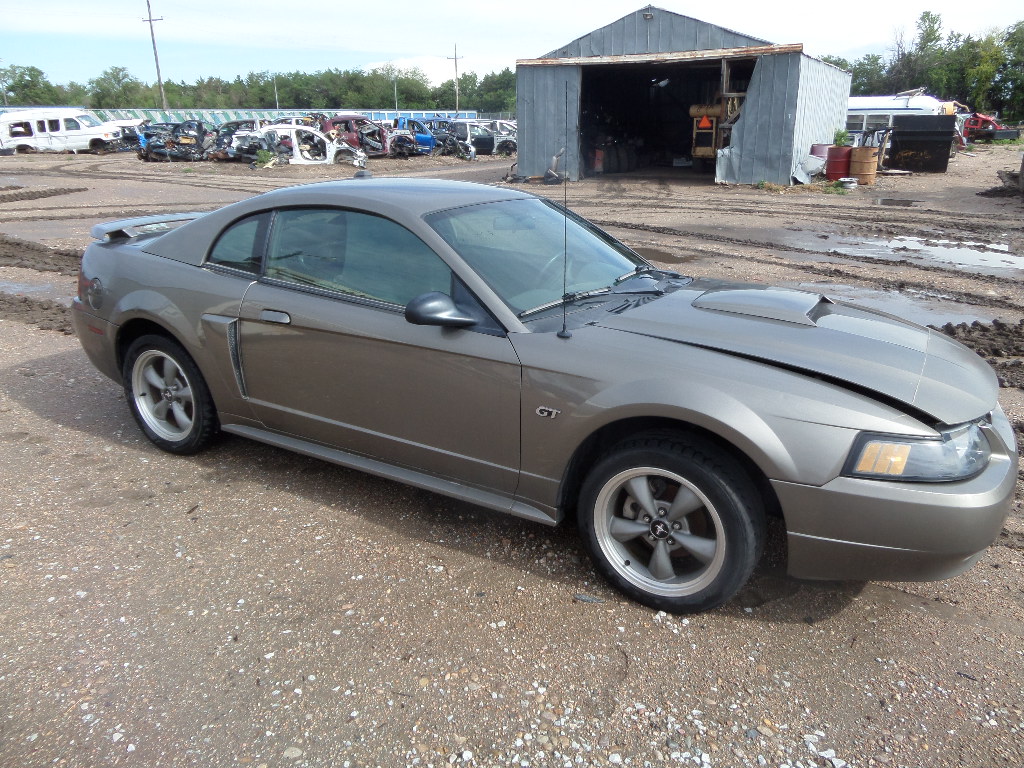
{"x": 436, "y": 308}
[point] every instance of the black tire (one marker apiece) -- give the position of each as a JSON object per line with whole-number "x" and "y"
{"x": 687, "y": 543}
{"x": 168, "y": 396}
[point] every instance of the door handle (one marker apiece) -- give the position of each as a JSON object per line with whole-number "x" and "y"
{"x": 274, "y": 316}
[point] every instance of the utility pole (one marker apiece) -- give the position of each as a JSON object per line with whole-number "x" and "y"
{"x": 149, "y": 18}
{"x": 456, "y": 58}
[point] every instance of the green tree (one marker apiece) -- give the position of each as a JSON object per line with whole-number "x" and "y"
{"x": 981, "y": 77}
{"x": 443, "y": 95}
{"x": 115, "y": 88}
{"x": 497, "y": 92}
{"x": 1008, "y": 91}
{"x": 27, "y": 86}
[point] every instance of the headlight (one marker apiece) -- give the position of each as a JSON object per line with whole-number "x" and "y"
{"x": 958, "y": 453}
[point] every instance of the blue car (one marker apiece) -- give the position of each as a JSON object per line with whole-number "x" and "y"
{"x": 425, "y": 141}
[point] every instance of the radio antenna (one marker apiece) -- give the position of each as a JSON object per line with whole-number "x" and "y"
{"x": 564, "y": 333}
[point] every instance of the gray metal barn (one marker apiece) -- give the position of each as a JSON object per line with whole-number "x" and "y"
{"x": 659, "y": 88}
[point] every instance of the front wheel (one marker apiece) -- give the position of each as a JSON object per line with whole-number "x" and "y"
{"x": 674, "y": 523}
{"x": 168, "y": 396}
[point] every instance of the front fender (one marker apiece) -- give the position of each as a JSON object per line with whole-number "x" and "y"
{"x": 793, "y": 427}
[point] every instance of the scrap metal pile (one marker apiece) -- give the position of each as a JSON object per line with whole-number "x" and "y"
{"x": 313, "y": 138}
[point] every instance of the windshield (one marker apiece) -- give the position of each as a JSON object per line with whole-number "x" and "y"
{"x": 88, "y": 120}
{"x": 531, "y": 252}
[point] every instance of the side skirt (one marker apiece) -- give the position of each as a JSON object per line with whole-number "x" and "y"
{"x": 411, "y": 477}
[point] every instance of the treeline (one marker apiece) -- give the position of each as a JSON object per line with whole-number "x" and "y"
{"x": 985, "y": 72}
{"x": 117, "y": 88}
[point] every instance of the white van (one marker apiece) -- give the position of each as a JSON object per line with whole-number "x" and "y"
{"x": 874, "y": 113}
{"x": 56, "y": 129}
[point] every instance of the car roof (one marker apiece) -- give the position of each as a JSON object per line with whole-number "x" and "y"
{"x": 415, "y": 197}
{"x": 399, "y": 198}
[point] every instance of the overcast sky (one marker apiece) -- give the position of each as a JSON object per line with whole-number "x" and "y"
{"x": 76, "y": 41}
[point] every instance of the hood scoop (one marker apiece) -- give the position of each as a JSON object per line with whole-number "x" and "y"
{"x": 766, "y": 303}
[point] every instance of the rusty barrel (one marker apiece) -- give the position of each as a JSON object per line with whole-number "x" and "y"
{"x": 837, "y": 164}
{"x": 864, "y": 164}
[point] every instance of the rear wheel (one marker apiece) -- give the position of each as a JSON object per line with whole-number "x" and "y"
{"x": 168, "y": 396}
{"x": 674, "y": 523}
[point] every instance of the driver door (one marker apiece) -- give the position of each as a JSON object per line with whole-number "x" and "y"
{"x": 328, "y": 355}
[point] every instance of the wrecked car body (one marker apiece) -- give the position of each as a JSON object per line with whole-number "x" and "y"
{"x": 188, "y": 141}
{"x": 426, "y": 143}
{"x": 229, "y": 134}
{"x": 448, "y": 142}
{"x": 298, "y": 145}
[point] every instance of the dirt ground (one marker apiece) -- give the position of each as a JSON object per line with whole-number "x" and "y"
{"x": 250, "y": 607}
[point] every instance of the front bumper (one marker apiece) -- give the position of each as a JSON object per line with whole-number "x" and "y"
{"x": 860, "y": 529}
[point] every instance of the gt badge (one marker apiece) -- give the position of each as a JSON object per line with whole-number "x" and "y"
{"x": 547, "y": 413}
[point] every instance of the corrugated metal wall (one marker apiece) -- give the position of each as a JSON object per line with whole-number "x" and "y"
{"x": 544, "y": 126}
{"x": 821, "y": 107}
{"x": 792, "y": 101}
{"x": 665, "y": 31}
{"x": 762, "y": 139}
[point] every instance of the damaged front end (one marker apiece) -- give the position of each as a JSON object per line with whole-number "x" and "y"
{"x": 187, "y": 141}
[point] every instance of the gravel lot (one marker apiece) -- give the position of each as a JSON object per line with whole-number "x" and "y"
{"x": 250, "y": 607}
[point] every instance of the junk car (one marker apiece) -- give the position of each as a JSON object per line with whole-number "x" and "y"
{"x": 487, "y": 344}
{"x": 189, "y": 141}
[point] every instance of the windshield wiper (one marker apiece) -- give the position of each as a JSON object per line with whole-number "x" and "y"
{"x": 641, "y": 269}
{"x": 568, "y": 298}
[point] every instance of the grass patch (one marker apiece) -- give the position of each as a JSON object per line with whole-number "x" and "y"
{"x": 834, "y": 188}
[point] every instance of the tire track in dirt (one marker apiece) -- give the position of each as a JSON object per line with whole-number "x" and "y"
{"x": 230, "y": 183}
{"x": 15, "y": 252}
{"x": 795, "y": 249}
{"x": 100, "y": 213}
{"x": 45, "y": 314}
{"x": 37, "y": 194}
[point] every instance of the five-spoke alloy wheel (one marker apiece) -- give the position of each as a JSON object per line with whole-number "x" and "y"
{"x": 675, "y": 523}
{"x": 168, "y": 395}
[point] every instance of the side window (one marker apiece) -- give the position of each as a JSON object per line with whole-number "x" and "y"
{"x": 239, "y": 245}
{"x": 54, "y": 125}
{"x": 20, "y": 129}
{"x": 70, "y": 124}
{"x": 354, "y": 253}
{"x": 41, "y": 126}
{"x": 876, "y": 122}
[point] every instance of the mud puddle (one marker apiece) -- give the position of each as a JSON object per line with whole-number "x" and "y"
{"x": 915, "y": 306}
{"x": 994, "y": 259}
{"x": 51, "y": 291}
{"x": 895, "y": 203}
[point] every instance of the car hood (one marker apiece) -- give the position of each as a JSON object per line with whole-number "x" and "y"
{"x": 811, "y": 333}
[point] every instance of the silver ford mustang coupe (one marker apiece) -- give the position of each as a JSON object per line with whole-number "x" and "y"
{"x": 487, "y": 344}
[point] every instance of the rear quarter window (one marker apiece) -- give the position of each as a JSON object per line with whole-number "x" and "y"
{"x": 240, "y": 245}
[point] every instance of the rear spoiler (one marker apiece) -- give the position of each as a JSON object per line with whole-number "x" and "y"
{"x": 143, "y": 225}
